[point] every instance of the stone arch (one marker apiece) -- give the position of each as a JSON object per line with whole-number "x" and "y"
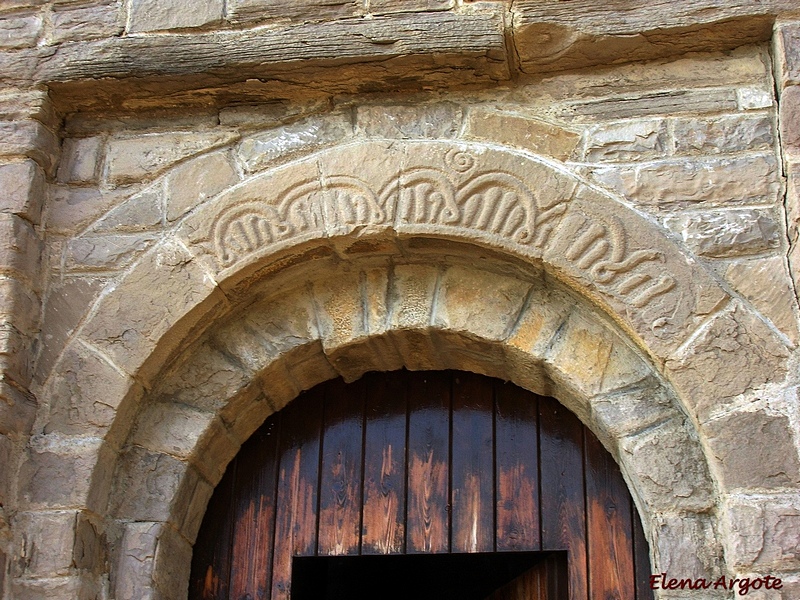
{"x": 407, "y": 222}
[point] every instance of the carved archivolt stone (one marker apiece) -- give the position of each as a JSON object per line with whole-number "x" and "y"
{"x": 495, "y": 197}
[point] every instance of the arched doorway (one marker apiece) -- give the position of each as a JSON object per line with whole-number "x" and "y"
{"x": 423, "y": 463}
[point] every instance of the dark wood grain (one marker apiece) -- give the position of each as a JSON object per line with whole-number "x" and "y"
{"x": 517, "y": 466}
{"x": 427, "y": 517}
{"x": 472, "y": 493}
{"x": 641, "y": 558}
{"x": 383, "y": 529}
{"x": 254, "y": 514}
{"x": 298, "y": 479}
{"x": 609, "y": 532}
{"x": 340, "y": 478}
{"x": 563, "y": 514}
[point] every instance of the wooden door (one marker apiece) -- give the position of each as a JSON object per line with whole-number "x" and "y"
{"x": 423, "y": 463}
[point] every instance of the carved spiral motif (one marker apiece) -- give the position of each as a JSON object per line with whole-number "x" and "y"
{"x": 459, "y": 161}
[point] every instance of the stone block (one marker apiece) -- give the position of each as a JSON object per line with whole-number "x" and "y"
{"x": 528, "y": 133}
{"x": 590, "y": 359}
{"x": 632, "y": 105}
{"x": 307, "y": 10}
{"x": 222, "y": 378}
{"x": 440, "y": 120}
{"x": 790, "y": 119}
{"x": 106, "y": 252}
{"x": 19, "y": 31}
{"x": 28, "y": 137}
{"x": 141, "y": 212}
{"x": 45, "y": 542}
{"x": 264, "y": 149}
{"x": 767, "y": 284}
{"x": 788, "y": 52}
{"x": 71, "y": 209}
{"x": 627, "y": 141}
{"x": 131, "y": 322}
{"x": 134, "y": 568}
{"x": 668, "y": 464}
{"x": 66, "y": 471}
{"x": 683, "y": 183}
{"x": 20, "y": 248}
{"x": 687, "y": 545}
{"x": 170, "y": 428}
{"x": 627, "y": 412}
{"x": 17, "y": 410}
{"x": 77, "y": 587}
{"x": 377, "y": 7}
{"x": 172, "y": 565}
{"x": 734, "y": 353}
{"x": 16, "y": 354}
{"x": 19, "y": 306}
{"x": 7, "y": 472}
{"x": 754, "y": 450}
{"x": 68, "y": 301}
{"x": 80, "y": 160}
{"x": 86, "y": 22}
{"x": 132, "y": 160}
{"x": 196, "y": 181}
{"x": 84, "y": 393}
{"x": 158, "y": 15}
{"x": 215, "y": 448}
{"x": 23, "y": 188}
{"x": 727, "y": 233}
{"x": 269, "y": 114}
{"x": 754, "y": 98}
{"x": 196, "y": 510}
{"x": 723, "y": 135}
{"x": 763, "y": 533}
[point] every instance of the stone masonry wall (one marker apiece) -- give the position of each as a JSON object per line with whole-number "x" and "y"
{"x": 121, "y": 121}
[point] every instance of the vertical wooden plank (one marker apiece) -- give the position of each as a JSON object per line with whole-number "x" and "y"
{"x": 517, "y": 455}
{"x": 298, "y": 482}
{"x": 641, "y": 558}
{"x": 562, "y": 490}
{"x": 254, "y": 514}
{"x": 383, "y": 529}
{"x": 211, "y": 565}
{"x": 609, "y": 528}
{"x": 427, "y": 516}
{"x": 472, "y": 493}
{"x": 340, "y": 478}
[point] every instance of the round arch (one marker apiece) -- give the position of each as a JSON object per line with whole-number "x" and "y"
{"x": 381, "y": 255}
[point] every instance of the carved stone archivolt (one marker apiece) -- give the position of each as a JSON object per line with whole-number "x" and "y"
{"x": 491, "y": 196}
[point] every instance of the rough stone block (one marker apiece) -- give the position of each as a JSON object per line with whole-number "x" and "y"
{"x": 716, "y": 367}
{"x": 23, "y": 188}
{"x": 20, "y": 248}
{"x": 681, "y": 183}
{"x": 763, "y": 533}
{"x": 129, "y": 324}
{"x": 17, "y": 410}
{"x": 627, "y": 412}
{"x": 723, "y": 135}
{"x": 19, "y": 306}
{"x": 16, "y": 354}
{"x": 19, "y": 31}
{"x": 790, "y": 119}
{"x": 627, "y": 141}
{"x": 157, "y": 15}
{"x": 267, "y": 114}
{"x": 30, "y": 138}
{"x": 788, "y": 52}
{"x": 687, "y": 544}
{"x": 531, "y": 134}
{"x": 79, "y": 587}
{"x": 84, "y": 393}
{"x": 669, "y": 466}
{"x": 307, "y": 10}
{"x": 765, "y": 457}
{"x": 172, "y": 565}
{"x": 132, "y": 160}
{"x": 590, "y": 359}
{"x": 66, "y": 471}
{"x": 86, "y": 22}
{"x": 7, "y": 471}
{"x": 753, "y": 98}
{"x": 630, "y": 106}
{"x": 196, "y": 510}
{"x": 441, "y": 120}
{"x": 106, "y": 252}
{"x": 79, "y": 160}
{"x": 262, "y": 150}
{"x": 766, "y": 283}
{"x": 170, "y": 428}
{"x": 377, "y": 7}
{"x": 71, "y": 209}
{"x": 196, "y": 181}
{"x": 141, "y": 212}
{"x": 726, "y": 233}
{"x": 46, "y": 540}
{"x": 134, "y": 568}
{"x": 67, "y": 302}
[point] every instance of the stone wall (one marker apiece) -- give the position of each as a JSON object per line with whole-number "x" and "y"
{"x": 622, "y": 182}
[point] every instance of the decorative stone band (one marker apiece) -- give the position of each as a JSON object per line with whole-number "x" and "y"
{"x": 495, "y": 197}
